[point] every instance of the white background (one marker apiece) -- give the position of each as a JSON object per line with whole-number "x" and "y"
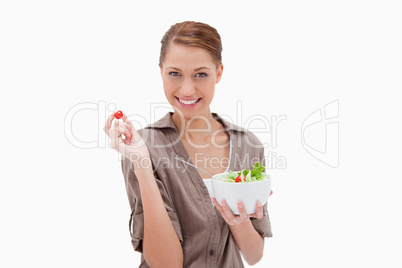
{"x": 64, "y": 206}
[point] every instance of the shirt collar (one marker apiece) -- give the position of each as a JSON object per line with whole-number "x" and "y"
{"x": 167, "y": 122}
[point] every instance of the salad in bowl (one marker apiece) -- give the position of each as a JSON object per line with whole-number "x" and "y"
{"x": 246, "y": 175}
{"x": 247, "y": 185}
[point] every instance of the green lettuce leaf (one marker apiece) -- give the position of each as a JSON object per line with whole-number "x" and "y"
{"x": 254, "y": 174}
{"x": 257, "y": 171}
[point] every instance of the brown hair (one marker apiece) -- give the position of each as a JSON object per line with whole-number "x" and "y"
{"x": 194, "y": 34}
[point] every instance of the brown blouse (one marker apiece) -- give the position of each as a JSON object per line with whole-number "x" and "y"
{"x": 204, "y": 235}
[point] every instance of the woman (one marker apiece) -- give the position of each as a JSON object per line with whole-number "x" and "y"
{"x": 174, "y": 221}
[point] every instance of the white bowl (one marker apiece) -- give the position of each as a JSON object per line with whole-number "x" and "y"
{"x": 249, "y": 192}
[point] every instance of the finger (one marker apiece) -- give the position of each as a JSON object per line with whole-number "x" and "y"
{"x": 229, "y": 213}
{"x": 114, "y": 135}
{"x": 127, "y": 141}
{"x": 219, "y": 208}
{"x": 259, "y": 210}
{"x": 122, "y": 147}
{"x": 123, "y": 129}
{"x": 126, "y": 120}
{"x": 116, "y": 127}
{"x": 108, "y": 124}
{"x": 111, "y": 132}
{"x": 131, "y": 128}
{"x": 114, "y": 140}
{"x": 215, "y": 202}
{"x": 242, "y": 211}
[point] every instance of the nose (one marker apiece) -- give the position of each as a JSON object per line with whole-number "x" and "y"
{"x": 187, "y": 87}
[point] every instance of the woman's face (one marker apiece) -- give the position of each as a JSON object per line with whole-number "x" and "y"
{"x": 189, "y": 76}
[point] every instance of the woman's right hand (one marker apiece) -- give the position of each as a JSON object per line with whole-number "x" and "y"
{"x": 132, "y": 146}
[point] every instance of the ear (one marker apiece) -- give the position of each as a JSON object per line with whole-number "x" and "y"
{"x": 161, "y": 69}
{"x": 219, "y": 73}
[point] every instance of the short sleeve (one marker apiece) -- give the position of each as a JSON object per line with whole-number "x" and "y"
{"x": 263, "y": 225}
{"x": 136, "y": 222}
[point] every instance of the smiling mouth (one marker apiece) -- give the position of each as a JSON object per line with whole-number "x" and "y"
{"x": 188, "y": 102}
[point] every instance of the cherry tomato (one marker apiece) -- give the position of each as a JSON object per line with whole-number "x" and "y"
{"x": 238, "y": 179}
{"x": 118, "y": 114}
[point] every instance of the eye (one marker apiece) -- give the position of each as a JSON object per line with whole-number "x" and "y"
{"x": 174, "y": 74}
{"x": 201, "y": 75}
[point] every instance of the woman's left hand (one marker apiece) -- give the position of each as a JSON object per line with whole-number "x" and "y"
{"x": 232, "y": 219}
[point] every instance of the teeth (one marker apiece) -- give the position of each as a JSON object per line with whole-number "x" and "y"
{"x": 188, "y": 102}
